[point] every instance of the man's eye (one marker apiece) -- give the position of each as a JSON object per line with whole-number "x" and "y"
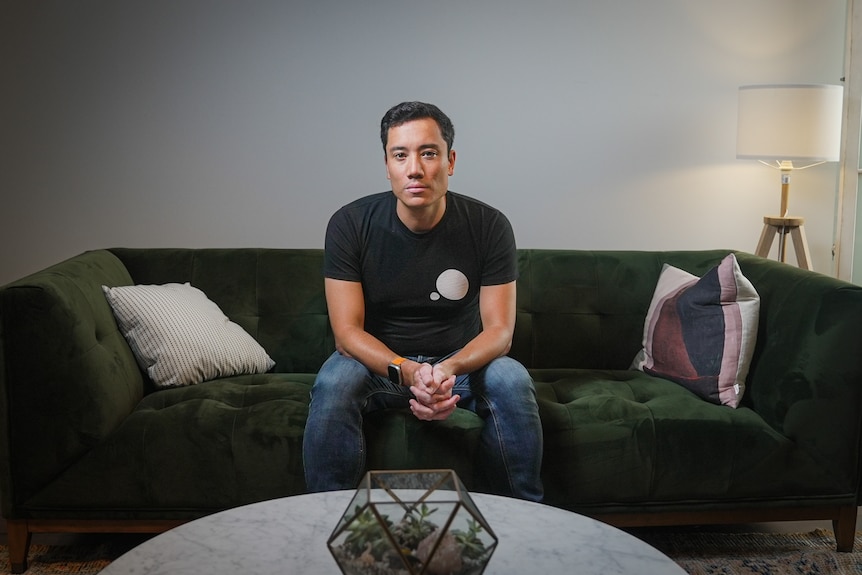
{"x": 399, "y": 155}
{"x": 429, "y": 154}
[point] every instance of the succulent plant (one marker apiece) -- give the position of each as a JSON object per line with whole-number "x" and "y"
{"x": 413, "y": 528}
{"x": 471, "y": 545}
{"x": 366, "y": 535}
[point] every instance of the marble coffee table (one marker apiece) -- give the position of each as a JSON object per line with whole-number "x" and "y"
{"x": 289, "y": 536}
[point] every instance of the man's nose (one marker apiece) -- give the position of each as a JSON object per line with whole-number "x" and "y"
{"x": 414, "y": 167}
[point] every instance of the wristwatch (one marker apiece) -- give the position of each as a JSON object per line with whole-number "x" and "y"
{"x": 395, "y": 370}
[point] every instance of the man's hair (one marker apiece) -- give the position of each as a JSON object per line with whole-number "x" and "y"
{"x": 409, "y": 111}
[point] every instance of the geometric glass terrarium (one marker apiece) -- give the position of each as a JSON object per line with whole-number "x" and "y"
{"x": 412, "y": 522}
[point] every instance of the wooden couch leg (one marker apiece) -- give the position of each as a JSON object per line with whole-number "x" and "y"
{"x": 845, "y": 529}
{"x": 18, "y": 536}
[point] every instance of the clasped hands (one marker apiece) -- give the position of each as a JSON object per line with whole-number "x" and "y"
{"x": 432, "y": 392}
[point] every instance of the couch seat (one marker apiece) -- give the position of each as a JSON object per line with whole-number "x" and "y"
{"x": 204, "y": 447}
{"x": 620, "y": 436}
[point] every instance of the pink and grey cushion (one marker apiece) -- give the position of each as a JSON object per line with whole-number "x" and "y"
{"x": 700, "y": 332}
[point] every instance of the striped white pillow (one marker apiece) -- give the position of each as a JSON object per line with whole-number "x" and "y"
{"x": 180, "y": 337}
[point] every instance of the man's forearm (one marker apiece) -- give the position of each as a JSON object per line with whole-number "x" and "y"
{"x": 366, "y": 349}
{"x": 479, "y": 352}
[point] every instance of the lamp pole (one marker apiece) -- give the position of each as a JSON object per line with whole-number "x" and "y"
{"x": 786, "y": 167}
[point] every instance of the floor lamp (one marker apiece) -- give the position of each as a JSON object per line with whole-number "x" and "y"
{"x": 782, "y": 124}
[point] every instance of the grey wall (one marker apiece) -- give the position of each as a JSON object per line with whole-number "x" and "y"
{"x": 198, "y": 123}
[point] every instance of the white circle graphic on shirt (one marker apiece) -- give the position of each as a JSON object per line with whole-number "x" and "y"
{"x": 452, "y": 285}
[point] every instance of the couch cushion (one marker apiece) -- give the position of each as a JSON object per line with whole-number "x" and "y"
{"x": 700, "y": 332}
{"x": 397, "y": 440}
{"x": 623, "y": 436}
{"x": 190, "y": 449}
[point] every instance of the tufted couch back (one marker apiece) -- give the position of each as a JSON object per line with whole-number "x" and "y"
{"x": 586, "y": 309}
{"x": 598, "y": 300}
{"x": 274, "y": 294}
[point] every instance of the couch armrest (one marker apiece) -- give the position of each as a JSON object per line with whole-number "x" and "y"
{"x": 806, "y": 374}
{"x": 67, "y": 376}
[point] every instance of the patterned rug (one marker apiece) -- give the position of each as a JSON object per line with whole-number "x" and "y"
{"x": 698, "y": 552}
{"x": 712, "y": 553}
{"x": 89, "y": 556}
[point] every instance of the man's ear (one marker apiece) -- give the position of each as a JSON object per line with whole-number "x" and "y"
{"x": 451, "y": 162}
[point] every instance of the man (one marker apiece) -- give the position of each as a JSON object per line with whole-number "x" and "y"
{"x": 420, "y": 286}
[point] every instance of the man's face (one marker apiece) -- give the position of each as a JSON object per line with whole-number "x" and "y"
{"x": 418, "y": 165}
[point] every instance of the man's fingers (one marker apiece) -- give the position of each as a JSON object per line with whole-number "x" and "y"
{"x": 436, "y": 411}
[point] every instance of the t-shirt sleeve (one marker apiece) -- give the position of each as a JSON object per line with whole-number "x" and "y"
{"x": 501, "y": 264}
{"x": 341, "y": 259}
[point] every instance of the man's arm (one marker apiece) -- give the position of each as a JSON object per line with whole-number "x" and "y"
{"x": 432, "y": 386}
{"x": 346, "y": 304}
{"x": 497, "y": 311}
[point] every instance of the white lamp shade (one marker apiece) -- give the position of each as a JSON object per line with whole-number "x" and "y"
{"x": 789, "y": 122}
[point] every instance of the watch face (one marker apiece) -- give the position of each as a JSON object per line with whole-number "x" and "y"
{"x": 395, "y": 374}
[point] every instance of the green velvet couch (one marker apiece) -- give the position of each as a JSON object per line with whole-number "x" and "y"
{"x": 88, "y": 444}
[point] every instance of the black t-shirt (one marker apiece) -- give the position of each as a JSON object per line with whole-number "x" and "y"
{"x": 421, "y": 290}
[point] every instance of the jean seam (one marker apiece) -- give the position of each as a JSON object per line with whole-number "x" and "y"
{"x": 502, "y": 444}
{"x": 360, "y": 469}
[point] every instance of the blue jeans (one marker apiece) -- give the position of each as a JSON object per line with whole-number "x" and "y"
{"x": 501, "y": 393}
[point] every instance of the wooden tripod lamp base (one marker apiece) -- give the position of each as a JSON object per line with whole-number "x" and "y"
{"x": 782, "y": 226}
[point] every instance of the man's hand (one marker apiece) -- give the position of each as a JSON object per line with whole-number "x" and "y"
{"x": 432, "y": 392}
{"x": 432, "y": 385}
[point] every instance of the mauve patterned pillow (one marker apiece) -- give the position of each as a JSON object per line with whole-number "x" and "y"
{"x": 180, "y": 337}
{"x": 700, "y": 332}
